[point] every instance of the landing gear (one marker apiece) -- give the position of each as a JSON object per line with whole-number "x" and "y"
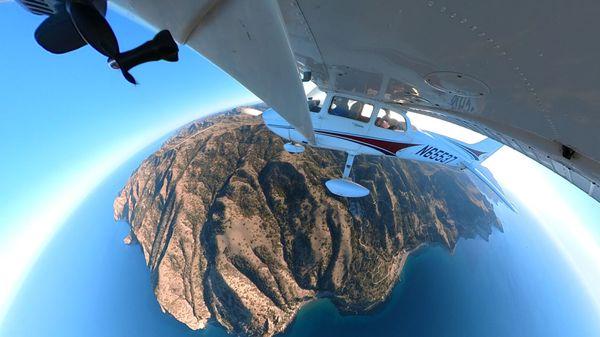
{"x": 344, "y": 187}
{"x": 293, "y": 148}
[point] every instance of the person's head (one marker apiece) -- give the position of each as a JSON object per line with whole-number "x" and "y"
{"x": 341, "y": 102}
{"x": 382, "y": 123}
{"x": 357, "y": 107}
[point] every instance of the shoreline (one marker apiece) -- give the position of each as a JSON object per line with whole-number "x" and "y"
{"x": 327, "y": 296}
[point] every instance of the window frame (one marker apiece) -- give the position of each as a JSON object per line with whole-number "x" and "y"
{"x": 332, "y": 96}
{"x": 376, "y": 106}
{"x": 401, "y": 113}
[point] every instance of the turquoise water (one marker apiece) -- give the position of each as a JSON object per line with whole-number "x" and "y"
{"x": 88, "y": 283}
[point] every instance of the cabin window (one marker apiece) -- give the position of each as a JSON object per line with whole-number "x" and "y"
{"x": 349, "y": 108}
{"x": 315, "y": 102}
{"x": 390, "y": 120}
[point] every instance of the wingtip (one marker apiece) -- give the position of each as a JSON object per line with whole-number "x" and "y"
{"x": 512, "y": 207}
{"x": 492, "y": 186}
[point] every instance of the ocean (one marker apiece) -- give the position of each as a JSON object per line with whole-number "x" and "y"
{"x": 515, "y": 284}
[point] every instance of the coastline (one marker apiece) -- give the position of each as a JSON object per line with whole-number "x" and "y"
{"x": 326, "y": 297}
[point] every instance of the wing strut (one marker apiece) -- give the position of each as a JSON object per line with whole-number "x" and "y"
{"x": 248, "y": 40}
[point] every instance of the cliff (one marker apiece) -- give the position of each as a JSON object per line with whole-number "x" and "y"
{"x": 236, "y": 230}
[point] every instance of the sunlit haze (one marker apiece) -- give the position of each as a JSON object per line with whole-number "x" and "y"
{"x": 559, "y": 206}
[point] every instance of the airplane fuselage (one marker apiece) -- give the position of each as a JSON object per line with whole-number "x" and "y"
{"x": 366, "y": 137}
{"x": 357, "y": 127}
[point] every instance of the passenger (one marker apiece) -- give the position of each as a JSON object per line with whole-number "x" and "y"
{"x": 393, "y": 124}
{"x": 355, "y": 110}
{"x": 402, "y": 125}
{"x": 382, "y": 123}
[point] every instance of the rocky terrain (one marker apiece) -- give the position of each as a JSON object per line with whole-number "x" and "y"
{"x": 236, "y": 230}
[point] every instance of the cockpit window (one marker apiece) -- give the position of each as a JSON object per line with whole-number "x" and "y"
{"x": 349, "y": 108}
{"x": 391, "y": 120}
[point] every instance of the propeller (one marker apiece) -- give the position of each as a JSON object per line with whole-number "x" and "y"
{"x": 58, "y": 35}
{"x": 161, "y": 47}
{"x": 93, "y": 27}
{"x": 83, "y": 22}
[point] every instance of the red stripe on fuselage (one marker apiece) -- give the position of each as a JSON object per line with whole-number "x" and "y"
{"x": 390, "y": 147}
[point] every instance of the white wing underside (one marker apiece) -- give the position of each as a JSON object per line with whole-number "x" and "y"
{"x": 520, "y": 72}
{"x": 247, "y": 39}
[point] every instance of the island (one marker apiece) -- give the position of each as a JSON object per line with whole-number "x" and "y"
{"x": 235, "y": 230}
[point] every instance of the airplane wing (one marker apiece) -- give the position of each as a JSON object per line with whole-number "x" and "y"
{"x": 247, "y": 39}
{"x": 513, "y": 70}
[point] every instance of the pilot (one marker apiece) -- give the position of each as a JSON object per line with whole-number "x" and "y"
{"x": 341, "y": 107}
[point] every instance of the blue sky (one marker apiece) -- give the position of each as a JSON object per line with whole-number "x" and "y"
{"x": 67, "y": 121}
{"x": 61, "y": 111}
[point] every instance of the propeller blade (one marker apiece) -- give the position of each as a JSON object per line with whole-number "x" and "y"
{"x": 58, "y": 35}
{"x": 161, "y": 47}
{"x": 129, "y": 77}
{"x": 93, "y": 27}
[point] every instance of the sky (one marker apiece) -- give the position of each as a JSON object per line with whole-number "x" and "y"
{"x": 68, "y": 121}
